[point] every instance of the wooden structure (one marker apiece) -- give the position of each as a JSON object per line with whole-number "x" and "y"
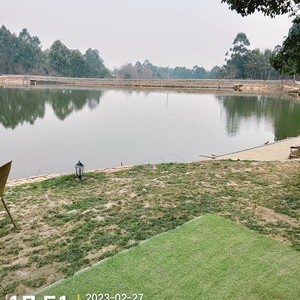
{"x": 4, "y": 171}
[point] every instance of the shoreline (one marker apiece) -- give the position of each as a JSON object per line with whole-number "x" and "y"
{"x": 276, "y": 151}
{"x": 195, "y": 85}
{"x": 38, "y": 178}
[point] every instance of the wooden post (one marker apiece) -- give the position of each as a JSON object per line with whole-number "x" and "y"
{"x": 4, "y": 171}
{"x": 8, "y": 212}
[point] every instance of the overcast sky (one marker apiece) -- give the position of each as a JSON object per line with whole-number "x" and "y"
{"x": 166, "y": 32}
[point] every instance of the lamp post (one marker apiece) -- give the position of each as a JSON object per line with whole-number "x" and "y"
{"x": 79, "y": 167}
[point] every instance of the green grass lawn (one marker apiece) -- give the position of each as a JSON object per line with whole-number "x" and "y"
{"x": 207, "y": 258}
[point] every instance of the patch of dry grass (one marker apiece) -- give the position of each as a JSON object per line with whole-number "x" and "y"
{"x": 66, "y": 226}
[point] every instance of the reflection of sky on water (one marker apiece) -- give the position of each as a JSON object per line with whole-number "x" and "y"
{"x": 137, "y": 128}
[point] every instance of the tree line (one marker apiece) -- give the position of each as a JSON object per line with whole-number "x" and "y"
{"x": 244, "y": 63}
{"x": 286, "y": 59}
{"x": 240, "y": 63}
{"x": 23, "y": 54}
{"x": 147, "y": 70}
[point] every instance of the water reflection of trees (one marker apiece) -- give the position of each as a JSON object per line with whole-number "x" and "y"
{"x": 284, "y": 115}
{"x": 18, "y": 106}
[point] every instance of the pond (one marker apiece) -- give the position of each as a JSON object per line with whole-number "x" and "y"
{"x": 47, "y": 131}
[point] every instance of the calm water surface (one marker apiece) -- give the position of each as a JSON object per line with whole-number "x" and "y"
{"x": 48, "y": 130}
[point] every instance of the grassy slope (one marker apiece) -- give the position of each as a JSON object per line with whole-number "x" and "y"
{"x": 207, "y": 258}
{"x": 66, "y": 226}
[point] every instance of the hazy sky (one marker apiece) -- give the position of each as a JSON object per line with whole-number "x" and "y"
{"x": 166, "y": 32}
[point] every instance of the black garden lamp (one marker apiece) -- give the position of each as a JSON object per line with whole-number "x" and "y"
{"x": 79, "y": 167}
